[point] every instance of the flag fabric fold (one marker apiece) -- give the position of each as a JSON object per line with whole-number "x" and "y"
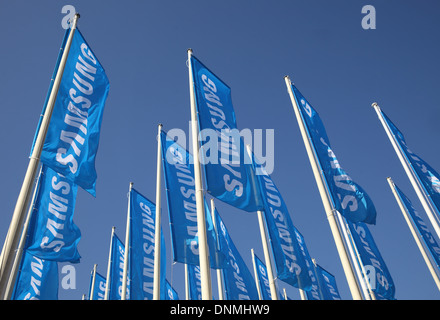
{"x": 262, "y": 279}
{"x": 348, "y": 197}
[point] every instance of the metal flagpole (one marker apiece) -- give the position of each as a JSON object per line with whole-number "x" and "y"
{"x": 417, "y": 237}
{"x": 260, "y": 296}
{"x": 157, "y": 242}
{"x": 25, "y": 194}
{"x": 127, "y": 248}
{"x": 21, "y": 245}
{"x": 107, "y": 280}
{"x": 205, "y": 274}
{"x": 92, "y": 289}
{"x": 219, "y": 271}
{"x": 413, "y": 178}
{"x": 264, "y": 236}
{"x": 326, "y": 200}
{"x": 186, "y": 282}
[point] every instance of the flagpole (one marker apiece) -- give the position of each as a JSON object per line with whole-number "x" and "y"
{"x": 157, "y": 242}
{"x": 186, "y": 282}
{"x": 21, "y": 245}
{"x": 92, "y": 289}
{"x": 24, "y": 196}
{"x": 328, "y": 206}
{"x": 127, "y": 247}
{"x": 205, "y": 275}
{"x": 260, "y": 296}
{"x": 409, "y": 171}
{"x": 107, "y": 280}
{"x": 264, "y": 236}
{"x": 415, "y": 234}
{"x": 219, "y": 271}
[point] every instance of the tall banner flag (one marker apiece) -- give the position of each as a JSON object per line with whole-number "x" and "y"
{"x": 263, "y": 281}
{"x": 99, "y": 287}
{"x": 379, "y": 277}
{"x": 421, "y": 227}
{"x": 170, "y": 293}
{"x": 72, "y": 138}
{"x": 238, "y": 281}
{"x": 117, "y": 270}
{"x": 289, "y": 252}
{"x": 227, "y": 170}
{"x": 194, "y": 281}
{"x": 180, "y": 186}
{"x": 141, "y": 255}
{"x": 348, "y": 197}
{"x": 428, "y": 177}
{"x": 37, "y": 280}
{"x": 54, "y": 235}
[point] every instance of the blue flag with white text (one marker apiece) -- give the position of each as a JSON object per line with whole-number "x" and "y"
{"x": 429, "y": 178}
{"x": 238, "y": 281}
{"x": 141, "y": 255}
{"x": 327, "y": 284}
{"x": 227, "y": 166}
{"x": 37, "y": 279}
{"x": 170, "y": 293}
{"x": 292, "y": 265}
{"x": 182, "y": 210}
{"x": 98, "y": 287}
{"x": 117, "y": 270}
{"x": 72, "y": 138}
{"x": 195, "y": 283}
{"x": 421, "y": 226}
{"x": 348, "y": 197}
{"x": 262, "y": 278}
{"x": 379, "y": 277}
{"x": 53, "y": 235}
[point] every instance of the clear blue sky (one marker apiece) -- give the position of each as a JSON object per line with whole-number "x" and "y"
{"x": 338, "y": 66}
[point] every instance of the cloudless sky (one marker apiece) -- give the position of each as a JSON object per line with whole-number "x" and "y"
{"x": 251, "y": 45}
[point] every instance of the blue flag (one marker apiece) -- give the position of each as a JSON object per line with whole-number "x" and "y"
{"x": 380, "y": 279}
{"x": 37, "y": 280}
{"x": 227, "y": 167}
{"x": 421, "y": 226}
{"x": 429, "y": 178}
{"x": 238, "y": 281}
{"x": 99, "y": 288}
{"x": 262, "y": 278}
{"x": 53, "y": 235}
{"x": 348, "y": 197}
{"x": 195, "y": 284}
{"x": 327, "y": 284}
{"x": 324, "y": 286}
{"x": 170, "y": 293}
{"x": 180, "y": 187}
{"x": 72, "y": 139}
{"x": 141, "y": 256}
{"x": 117, "y": 270}
{"x": 292, "y": 265}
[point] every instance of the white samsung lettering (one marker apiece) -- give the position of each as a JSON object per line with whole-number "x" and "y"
{"x": 75, "y": 133}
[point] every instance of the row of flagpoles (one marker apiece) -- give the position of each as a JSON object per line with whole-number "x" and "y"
{"x": 42, "y": 231}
